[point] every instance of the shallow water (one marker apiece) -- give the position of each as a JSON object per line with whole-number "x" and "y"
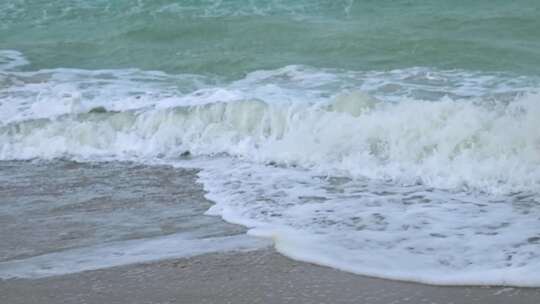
{"x": 61, "y": 216}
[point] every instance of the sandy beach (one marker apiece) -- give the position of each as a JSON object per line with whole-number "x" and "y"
{"x": 261, "y": 276}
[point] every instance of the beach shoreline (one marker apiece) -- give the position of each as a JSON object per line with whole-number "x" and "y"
{"x": 275, "y": 151}
{"x": 261, "y": 276}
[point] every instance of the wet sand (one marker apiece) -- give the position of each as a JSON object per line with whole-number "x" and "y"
{"x": 59, "y": 205}
{"x": 261, "y": 276}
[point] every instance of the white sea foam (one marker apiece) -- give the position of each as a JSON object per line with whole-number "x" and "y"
{"x": 10, "y": 59}
{"x": 50, "y": 93}
{"x": 124, "y": 253}
{"x": 381, "y": 229}
{"x": 445, "y": 144}
{"x": 413, "y": 174}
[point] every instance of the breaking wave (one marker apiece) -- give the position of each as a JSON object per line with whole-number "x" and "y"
{"x": 447, "y": 143}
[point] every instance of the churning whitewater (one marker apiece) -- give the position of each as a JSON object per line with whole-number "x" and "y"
{"x": 416, "y": 174}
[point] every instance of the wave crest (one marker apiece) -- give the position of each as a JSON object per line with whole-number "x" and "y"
{"x": 447, "y": 143}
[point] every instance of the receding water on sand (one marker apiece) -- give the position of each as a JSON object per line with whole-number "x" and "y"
{"x": 61, "y": 217}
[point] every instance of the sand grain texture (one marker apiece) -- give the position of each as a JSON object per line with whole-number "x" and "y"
{"x": 254, "y": 277}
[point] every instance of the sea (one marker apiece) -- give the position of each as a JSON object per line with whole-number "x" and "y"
{"x": 393, "y": 139}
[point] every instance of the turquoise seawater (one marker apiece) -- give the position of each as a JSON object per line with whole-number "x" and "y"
{"x": 232, "y": 37}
